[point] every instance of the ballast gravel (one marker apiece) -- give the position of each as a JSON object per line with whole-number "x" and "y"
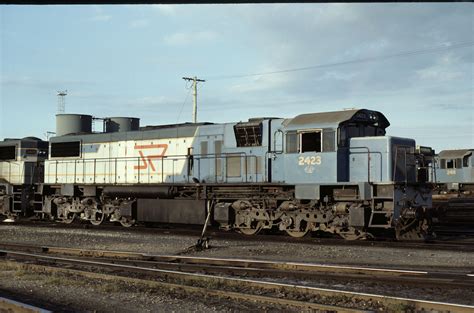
{"x": 170, "y": 242}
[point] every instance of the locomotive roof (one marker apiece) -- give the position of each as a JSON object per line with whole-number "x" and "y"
{"x": 27, "y": 141}
{"x": 325, "y": 119}
{"x": 169, "y": 131}
{"x": 338, "y": 117}
{"x": 174, "y": 126}
{"x": 454, "y": 154}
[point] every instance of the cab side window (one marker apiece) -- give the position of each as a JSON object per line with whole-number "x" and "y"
{"x": 311, "y": 141}
{"x": 291, "y": 142}
{"x": 7, "y": 153}
{"x": 443, "y": 163}
{"x": 449, "y": 163}
{"x": 329, "y": 140}
{"x": 465, "y": 161}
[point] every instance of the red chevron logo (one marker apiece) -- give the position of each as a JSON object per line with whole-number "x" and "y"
{"x": 147, "y": 160}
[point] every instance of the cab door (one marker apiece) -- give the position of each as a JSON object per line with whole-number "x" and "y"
{"x": 218, "y": 161}
{"x": 276, "y": 157}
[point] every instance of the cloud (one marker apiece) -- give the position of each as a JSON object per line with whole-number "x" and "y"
{"x": 99, "y": 15}
{"x": 141, "y": 23}
{"x": 292, "y": 36}
{"x": 187, "y": 38}
{"x": 149, "y": 102}
{"x": 260, "y": 83}
{"x": 165, "y": 9}
{"x": 101, "y": 18}
{"x": 43, "y": 83}
{"x": 467, "y": 107}
{"x": 445, "y": 68}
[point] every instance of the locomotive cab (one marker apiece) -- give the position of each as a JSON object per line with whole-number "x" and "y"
{"x": 455, "y": 170}
{"x": 319, "y": 143}
{"x": 21, "y": 173}
{"x": 343, "y": 160}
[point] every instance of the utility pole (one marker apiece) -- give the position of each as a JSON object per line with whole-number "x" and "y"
{"x": 195, "y": 80}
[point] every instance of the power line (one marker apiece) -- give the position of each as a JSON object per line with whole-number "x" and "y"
{"x": 362, "y": 60}
{"x": 184, "y": 102}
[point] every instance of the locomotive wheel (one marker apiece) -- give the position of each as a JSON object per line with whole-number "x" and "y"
{"x": 98, "y": 218}
{"x": 10, "y": 219}
{"x": 251, "y": 231}
{"x": 301, "y": 232}
{"x": 296, "y": 234}
{"x": 350, "y": 236}
{"x": 70, "y": 217}
{"x": 127, "y": 222}
{"x": 353, "y": 234}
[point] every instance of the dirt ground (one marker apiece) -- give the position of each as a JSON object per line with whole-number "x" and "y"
{"x": 60, "y": 293}
{"x": 80, "y": 295}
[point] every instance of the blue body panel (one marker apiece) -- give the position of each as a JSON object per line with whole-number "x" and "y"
{"x": 311, "y": 167}
{"x": 373, "y": 159}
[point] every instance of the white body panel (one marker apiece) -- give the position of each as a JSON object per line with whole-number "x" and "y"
{"x": 13, "y": 172}
{"x": 123, "y": 162}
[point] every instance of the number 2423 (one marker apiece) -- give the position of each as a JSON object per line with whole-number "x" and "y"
{"x": 313, "y": 160}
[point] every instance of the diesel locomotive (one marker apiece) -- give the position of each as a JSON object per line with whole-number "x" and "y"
{"x": 335, "y": 172}
{"x": 453, "y": 195}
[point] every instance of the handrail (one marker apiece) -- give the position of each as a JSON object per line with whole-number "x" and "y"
{"x": 395, "y": 160}
{"x": 369, "y": 153}
{"x": 105, "y": 163}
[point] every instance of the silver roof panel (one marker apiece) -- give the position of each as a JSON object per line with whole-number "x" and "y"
{"x": 455, "y": 154}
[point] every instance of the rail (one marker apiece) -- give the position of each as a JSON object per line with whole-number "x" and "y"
{"x": 276, "y": 268}
{"x": 9, "y": 305}
{"x": 229, "y": 285}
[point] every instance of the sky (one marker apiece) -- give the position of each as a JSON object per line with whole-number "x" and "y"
{"x": 411, "y": 61}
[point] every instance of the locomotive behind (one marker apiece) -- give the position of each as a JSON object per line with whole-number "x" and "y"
{"x": 453, "y": 195}
{"x": 334, "y": 172}
{"x": 21, "y": 176}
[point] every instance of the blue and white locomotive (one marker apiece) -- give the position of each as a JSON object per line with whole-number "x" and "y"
{"x": 454, "y": 171}
{"x": 453, "y": 197}
{"x": 334, "y": 172}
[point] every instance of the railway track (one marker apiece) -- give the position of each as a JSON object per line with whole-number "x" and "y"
{"x": 9, "y": 305}
{"x": 254, "y": 268}
{"x": 197, "y": 273}
{"x": 455, "y": 242}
